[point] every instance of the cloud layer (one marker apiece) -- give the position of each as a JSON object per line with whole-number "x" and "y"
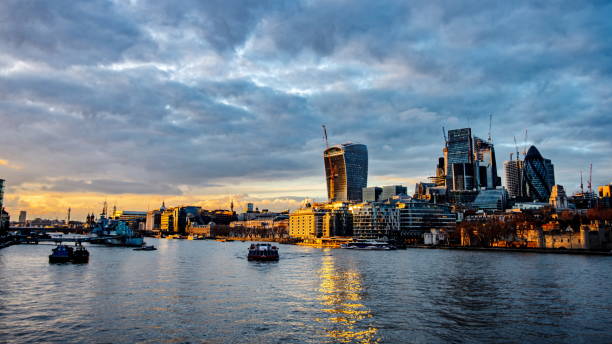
{"x": 159, "y": 98}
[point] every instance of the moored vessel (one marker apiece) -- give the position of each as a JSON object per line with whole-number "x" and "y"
{"x": 80, "y": 254}
{"x": 61, "y": 254}
{"x": 368, "y": 245}
{"x": 146, "y": 248}
{"x": 263, "y": 252}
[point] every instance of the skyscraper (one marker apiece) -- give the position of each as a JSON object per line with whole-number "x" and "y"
{"x": 23, "y": 216}
{"x": 460, "y": 160}
{"x": 486, "y": 165}
{"x": 346, "y": 171}
{"x": 513, "y": 172}
{"x": 539, "y": 175}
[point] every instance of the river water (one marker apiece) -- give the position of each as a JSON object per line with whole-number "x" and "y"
{"x": 207, "y": 292}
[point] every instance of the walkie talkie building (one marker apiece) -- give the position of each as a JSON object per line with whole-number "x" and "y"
{"x": 346, "y": 171}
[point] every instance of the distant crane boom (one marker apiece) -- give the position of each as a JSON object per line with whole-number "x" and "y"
{"x": 490, "y": 120}
{"x": 517, "y": 149}
{"x": 590, "y": 178}
{"x": 525, "y": 143}
{"x": 444, "y": 134}
{"x": 325, "y": 136}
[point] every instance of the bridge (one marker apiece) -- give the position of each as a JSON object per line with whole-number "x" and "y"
{"x": 35, "y": 239}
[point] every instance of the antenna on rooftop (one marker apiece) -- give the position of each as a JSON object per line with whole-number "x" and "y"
{"x": 325, "y": 136}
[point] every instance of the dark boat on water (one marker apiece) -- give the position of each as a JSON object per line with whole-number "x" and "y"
{"x": 80, "y": 254}
{"x": 145, "y": 248}
{"x": 263, "y": 252}
{"x": 64, "y": 254}
{"x": 61, "y": 254}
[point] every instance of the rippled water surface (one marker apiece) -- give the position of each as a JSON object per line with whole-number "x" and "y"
{"x": 206, "y": 291}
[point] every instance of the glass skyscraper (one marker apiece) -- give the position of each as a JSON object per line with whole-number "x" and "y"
{"x": 460, "y": 164}
{"x": 539, "y": 175}
{"x": 346, "y": 171}
{"x": 486, "y": 165}
{"x": 515, "y": 182}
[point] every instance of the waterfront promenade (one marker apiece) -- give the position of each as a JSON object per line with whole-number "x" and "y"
{"x": 206, "y": 291}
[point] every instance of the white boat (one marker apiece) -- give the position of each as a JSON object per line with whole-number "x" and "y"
{"x": 368, "y": 245}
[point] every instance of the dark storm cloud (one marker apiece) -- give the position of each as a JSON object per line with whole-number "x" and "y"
{"x": 167, "y": 94}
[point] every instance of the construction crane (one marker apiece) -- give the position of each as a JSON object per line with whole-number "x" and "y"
{"x": 325, "y": 136}
{"x": 590, "y": 178}
{"x": 525, "y": 144}
{"x": 445, "y": 139}
{"x": 517, "y": 149}
{"x": 490, "y": 120}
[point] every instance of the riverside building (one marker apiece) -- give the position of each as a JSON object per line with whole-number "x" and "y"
{"x": 321, "y": 220}
{"x": 400, "y": 218}
{"x": 346, "y": 171}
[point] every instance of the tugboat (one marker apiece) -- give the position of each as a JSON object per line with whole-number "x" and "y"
{"x": 61, "y": 254}
{"x": 263, "y": 252}
{"x": 80, "y": 254}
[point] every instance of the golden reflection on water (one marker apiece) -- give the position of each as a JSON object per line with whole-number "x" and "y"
{"x": 341, "y": 293}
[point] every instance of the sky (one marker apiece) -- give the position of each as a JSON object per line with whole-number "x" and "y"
{"x": 202, "y": 102}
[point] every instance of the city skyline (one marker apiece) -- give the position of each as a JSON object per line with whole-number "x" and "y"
{"x": 228, "y": 102}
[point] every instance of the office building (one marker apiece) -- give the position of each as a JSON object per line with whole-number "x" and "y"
{"x": 392, "y": 190}
{"x": 460, "y": 160}
{"x": 23, "y": 216}
{"x": 486, "y": 165}
{"x": 400, "y": 218}
{"x": 346, "y": 171}
{"x": 306, "y": 223}
{"x": 491, "y": 199}
{"x": 321, "y": 220}
{"x": 539, "y": 175}
{"x": 515, "y": 182}
{"x": 153, "y": 221}
{"x": 558, "y": 198}
{"x": 126, "y": 215}
{"x": 604, "y": 191}
{"x": 371, "y": 194}
{"x": 375, "y": 221}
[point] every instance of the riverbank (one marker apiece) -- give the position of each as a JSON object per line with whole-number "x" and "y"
{"x": 521, "y": 250}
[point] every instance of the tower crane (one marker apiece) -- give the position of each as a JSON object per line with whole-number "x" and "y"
{"x": 325, "y": 136}
{"x": 590, "y": 179}
{"x": 445, "y": 139}
{"x": 490, "y": 120}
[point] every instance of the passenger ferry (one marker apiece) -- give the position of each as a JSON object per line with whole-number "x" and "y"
{"x": 358, "y": 244}
{"x": 263, "y": 252}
